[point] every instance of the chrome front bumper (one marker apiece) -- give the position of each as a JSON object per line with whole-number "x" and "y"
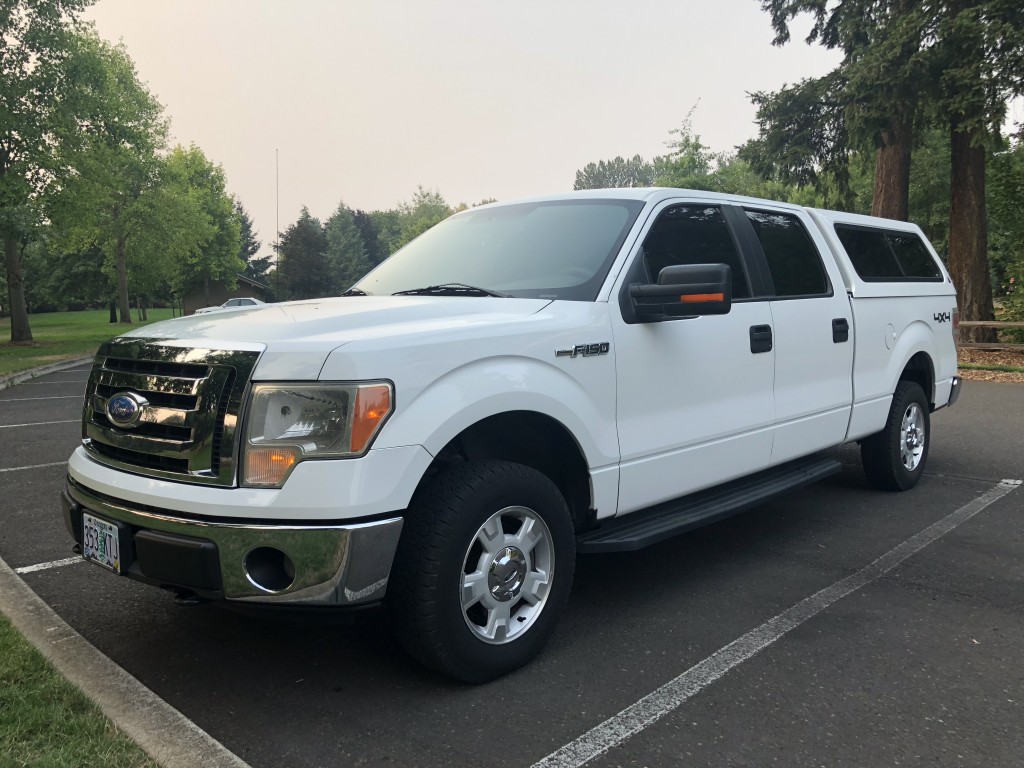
{"x": 314, "y": 565}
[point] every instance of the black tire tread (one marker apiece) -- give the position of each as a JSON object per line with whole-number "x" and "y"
{"x": 881, "y": 465}
{"x": 429, "y": 524}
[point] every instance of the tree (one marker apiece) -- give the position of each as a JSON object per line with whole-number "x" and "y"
{"x": 803, "y": 138}
{"x": 1004, "y": 193}
{"x": 376, "y": 249}
{"x": 873, "y": 96}
{"x": 109, "y": 191}
{"x": 618, "y": 172}
{"x": 426, "y": 209}
{"x": 303, "y": 268}
{"x": 255, "y": 267}
{"x": 979, "y": 61}
{"x": 346, "y": 254}
{"x": 36, "y": 42}
{"x": 212, "y": 251}
{"x": 689, "y": 159}
{"x": 955, "y": 62}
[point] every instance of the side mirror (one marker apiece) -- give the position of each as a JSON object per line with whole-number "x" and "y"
{"x": 684, "y": 291}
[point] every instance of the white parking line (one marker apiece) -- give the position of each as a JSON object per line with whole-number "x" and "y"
{"x": 33, "y": 466}
{"x": 61, "y": 381}
{"x": 48, "y": 566}
{"x": 54, "y": 397}
{"x": 39, "y": 423}
{"x": 635, "y": 718}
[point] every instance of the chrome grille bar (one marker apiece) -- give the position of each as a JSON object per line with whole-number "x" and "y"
{"x": 191, "y": 400}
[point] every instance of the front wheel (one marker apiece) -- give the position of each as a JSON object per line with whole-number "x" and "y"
{"x": 894, "y": 458}
{"x": 483, "y": 569}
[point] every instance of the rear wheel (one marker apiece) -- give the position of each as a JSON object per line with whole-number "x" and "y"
{"x": 483, "y": 569}
{"x": 894, "y": 458}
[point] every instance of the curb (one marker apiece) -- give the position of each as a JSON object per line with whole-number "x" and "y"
{"x": 31, "y": 373}
{"x": 162, "y": 732}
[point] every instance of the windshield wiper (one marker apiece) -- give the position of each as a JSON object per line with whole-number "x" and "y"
{"x": 354, "y": 292}
{"x": 450, "y": 289}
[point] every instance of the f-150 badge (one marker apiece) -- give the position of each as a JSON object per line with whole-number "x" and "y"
{"x": 585, "y": 350}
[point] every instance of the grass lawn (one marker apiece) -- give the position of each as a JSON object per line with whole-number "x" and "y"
{"x": 62, "y": 336}
{"x": 46, "y": 721}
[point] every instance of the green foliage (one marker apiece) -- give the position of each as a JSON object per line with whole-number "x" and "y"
{"x": 346, "y": 257}
{"x": 256, "y": 267}
{"x": 209, "y": 247}
{"x": 803, "y": 139}
{"x": 109, "y": 193}
{"x": 1005, "y": 196}
{"x": 303, "y": 270}
{"x": 618, "y": 172}
{"x": 37, "y": 41}
{"x": 426, "y": 209}
{"x": 929, "y": 186}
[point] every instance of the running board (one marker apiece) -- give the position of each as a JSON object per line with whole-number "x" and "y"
{"x": 641, "y": 529}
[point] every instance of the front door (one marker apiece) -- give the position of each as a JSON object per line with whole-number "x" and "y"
{"x": 695, "y": 395}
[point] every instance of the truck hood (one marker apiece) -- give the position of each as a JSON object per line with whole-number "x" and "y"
{"x": 298, "y": 336}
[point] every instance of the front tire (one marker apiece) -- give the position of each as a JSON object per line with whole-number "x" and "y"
{"x": 483, "y": 569}
{"x": 894, "y": 458}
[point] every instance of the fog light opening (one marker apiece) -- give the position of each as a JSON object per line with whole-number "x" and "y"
{"x": 269, "y": 569}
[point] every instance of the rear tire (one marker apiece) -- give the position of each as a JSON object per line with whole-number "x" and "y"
{"x": 483, "y": 569}
{"x": 894, "y": 458}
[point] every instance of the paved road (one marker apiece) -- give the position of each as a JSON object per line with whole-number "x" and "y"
{"x": 921, "y": 665}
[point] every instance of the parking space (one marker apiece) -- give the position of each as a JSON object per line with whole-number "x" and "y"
{"x": 919, "y": 665}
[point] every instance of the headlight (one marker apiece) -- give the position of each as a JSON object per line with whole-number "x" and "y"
{"x": 287, "y": 424}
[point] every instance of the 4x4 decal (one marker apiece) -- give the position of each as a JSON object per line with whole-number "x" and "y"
{"x": 941, "y": 317}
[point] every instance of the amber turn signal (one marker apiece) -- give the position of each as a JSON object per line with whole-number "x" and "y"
{"x": 373, "y": 404}
{"x": 269, "y": 466}
{"x": 697, "y": 298}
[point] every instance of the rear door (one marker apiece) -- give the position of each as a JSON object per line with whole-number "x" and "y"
{"x": 813, "y": 331}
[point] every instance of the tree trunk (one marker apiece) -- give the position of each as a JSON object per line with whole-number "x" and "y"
{"x": 140, "y": 305}
{"x": 122, "y": 282}
{"x": 968, "y": 229}
{"x": 20, "y": 330}
{"x": 891, "y": 198}
{"x": 113, "y": 310}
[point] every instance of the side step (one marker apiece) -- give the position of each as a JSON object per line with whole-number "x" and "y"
{"x": 640, "y": 529}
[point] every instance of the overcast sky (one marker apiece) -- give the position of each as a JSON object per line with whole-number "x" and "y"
{"x": 477, "y": 99}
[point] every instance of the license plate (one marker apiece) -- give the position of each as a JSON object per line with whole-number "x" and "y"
{"x": 101, "y": 543}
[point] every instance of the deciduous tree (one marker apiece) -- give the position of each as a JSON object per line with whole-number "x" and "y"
{"x": 37, "y": 38}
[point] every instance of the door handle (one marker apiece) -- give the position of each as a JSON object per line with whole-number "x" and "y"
{"x": 760, "y": 338}
{"x": 840, "y": 330}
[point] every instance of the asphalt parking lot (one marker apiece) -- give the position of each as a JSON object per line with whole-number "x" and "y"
{"x": 921, "y": 664}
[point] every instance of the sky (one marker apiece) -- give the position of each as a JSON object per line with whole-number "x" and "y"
{"x": 362, "y": 101}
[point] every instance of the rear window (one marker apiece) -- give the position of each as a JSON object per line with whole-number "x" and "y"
{"x": 880, "y": 255}
{"x": 793, "y": 260}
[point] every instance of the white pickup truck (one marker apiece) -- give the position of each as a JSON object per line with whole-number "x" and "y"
{"x": 590, "y": 372}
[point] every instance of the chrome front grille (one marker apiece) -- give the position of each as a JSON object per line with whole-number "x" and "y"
{"x": 186, "y": 430}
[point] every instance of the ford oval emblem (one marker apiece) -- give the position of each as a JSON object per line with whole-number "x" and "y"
{"x": 125, "y": 409}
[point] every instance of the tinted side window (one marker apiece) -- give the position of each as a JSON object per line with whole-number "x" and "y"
{"x": 232, "y": 303}
{"x": 880, "y": 255}
{"x": 913, "y": 256}
{"x": 869, "y": 253}
{"x": 694, "y": 234}
{"x": 793, "y": 260}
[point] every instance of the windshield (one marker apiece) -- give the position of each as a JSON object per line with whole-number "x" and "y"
{"x": 552, "y": 250}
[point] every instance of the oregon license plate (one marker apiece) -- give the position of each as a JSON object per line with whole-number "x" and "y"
{"x": 101, "y": 543}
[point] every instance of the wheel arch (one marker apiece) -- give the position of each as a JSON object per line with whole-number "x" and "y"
{"x": 533, "y": 439}
{"x": 921, "y": 369}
